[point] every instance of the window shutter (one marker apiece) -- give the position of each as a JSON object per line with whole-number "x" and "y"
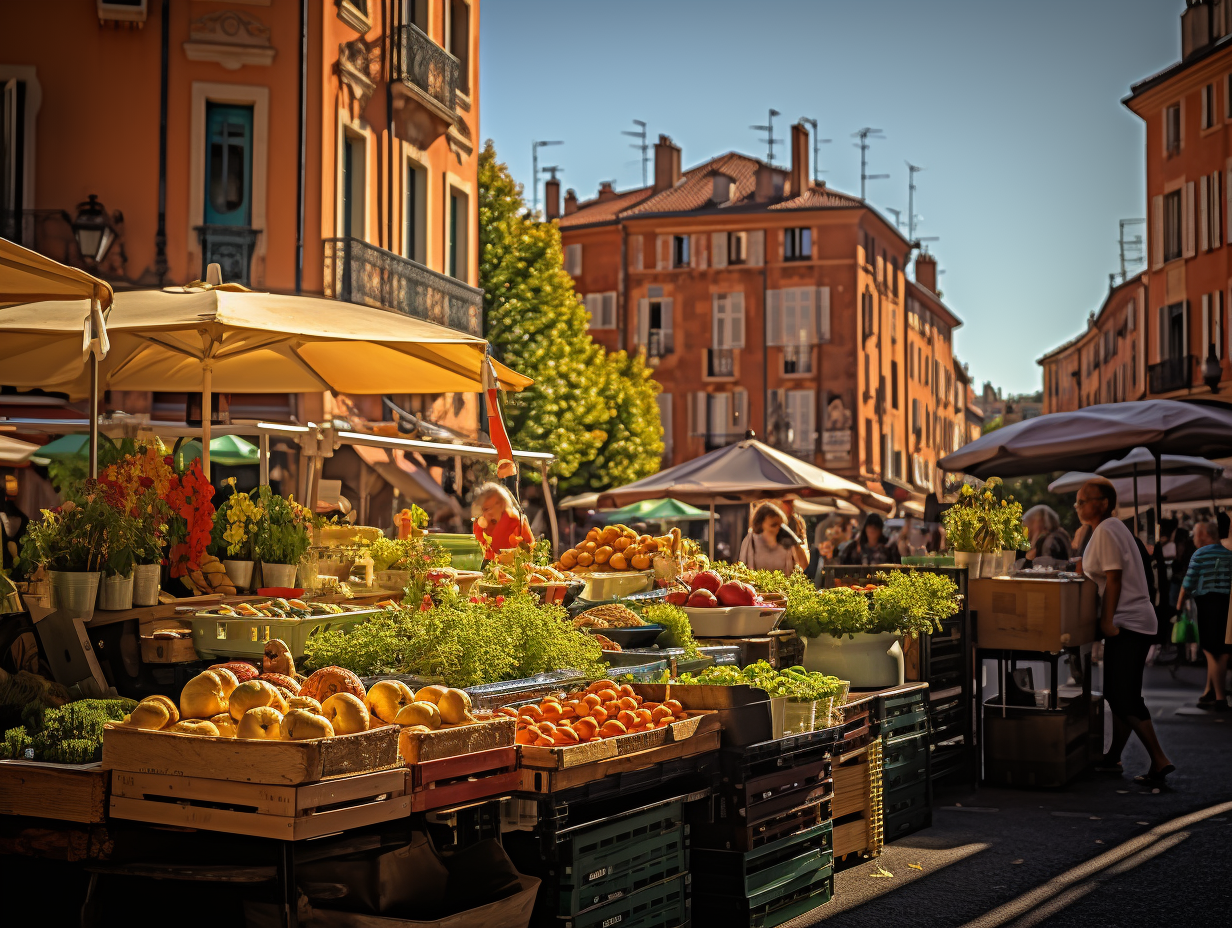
{"x": 1227, "y": 189}
{"x": 663, "y": 252}
{"x": 774, "y": 317}
{"x": 1188, "y": 220}
{"x": 1185, "y": 328}
{"x": 1206, "y": 325}
{"x": 609, "y": 310}
{"x": 757, "y": 247}
{"x": 697, "y": 413}
{"x": 807, "y": 303}
{"x": 593, "y": 303}
{"x": 718, "y": 249}
{"x": 823, "y": 315}
{"x": 1204, "y": 239}
{"x": 697, "y": 257}
{"x": 790, "y": 316}
{"x": 780, "y": 236}
{"x": 641, "y": 334}
{"x": 740, "y": 412}
{"x": 1217, "y": 327}
{"x": 1157, "y": 231}
{"x": 735, "y": 302}
{"x": 635, "y": 246}
{"x": 665, "y": 418}
{"x": 665, "y": 321}
{"x": 718, "y": 321}
{"x": 1163, "y": 333}
{"x": 720, "y": 410}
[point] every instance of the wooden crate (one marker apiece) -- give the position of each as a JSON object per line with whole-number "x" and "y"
{"x": 560, "y": 758}
{"x": 278, "y": 763}
{"x": 463, "y": 779}
{"x": 850, "y": 838}
{"x": 489, "y": 732}
{"x": 851, "y": 788}
{"x": 544, "y": 781}
{"x": 66, "y": 792}
{"x": 259, "y": 809}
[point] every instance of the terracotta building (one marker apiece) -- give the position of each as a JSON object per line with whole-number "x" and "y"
{"x": 332, "y": 154}
{"x": 769, "y": 303}
{"x": 1106, "y": 363}
{"x": 1187, "y": 113}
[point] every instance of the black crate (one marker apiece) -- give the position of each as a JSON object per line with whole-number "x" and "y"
{"x": 768, "y": 908}
{"x": 692, "y": 774}
{"x": 905, "y": 761}
{"x": 773, "y": 864}
{"x": 663, "y": 905}
{"x": 905, "y": 810}
{"x": 716, "y": 824}
{"x": 752, "y": 761}
{"x": 899, "y": 826}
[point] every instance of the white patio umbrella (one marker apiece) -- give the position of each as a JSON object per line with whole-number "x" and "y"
{"x": 1140, "y": 460}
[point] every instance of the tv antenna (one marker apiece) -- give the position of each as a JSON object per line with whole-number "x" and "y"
{"x": 817, "y": 171}
{"x": 898, "y": 216}
{"x": 912, "y": 171}
{"x": 1133, "y": 251}
{"x": 768, "y": 128}
{"x": 534, "y": 159}
{"x": 864, "y": 135}
{"x": 642, "y": 146}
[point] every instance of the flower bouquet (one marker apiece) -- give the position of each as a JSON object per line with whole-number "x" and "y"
{"x": 281, "y": 538}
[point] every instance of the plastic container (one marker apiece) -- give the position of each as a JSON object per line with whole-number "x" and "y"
{"x": 866, "y": 661}
{"x": 734, "y": 621}
{"x": 239, "y": 573}
{"x": 74, "y": 592}
{"x": 277, "y": 575}
{"x": 601, "y": 587}
{"x": 464, "y": 550}
{"x": 224, "y": 636}
{"x": 146, "y": 578}
{"x": 115, "y": 593}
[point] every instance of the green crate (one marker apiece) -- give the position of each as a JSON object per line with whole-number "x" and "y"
{"x": 599, "y": 847}
{"x": 769, "y": 908}
{"x": 223, "y": 636}
{"x": 772, "y": 865}
{"x": 664, "y": 905}
{"x": 650, "y": 861}
{"x": 907, "y": 723}
{"x": 904, "y": 760}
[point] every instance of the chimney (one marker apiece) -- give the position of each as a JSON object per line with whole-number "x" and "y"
{"x": 570, "y": 202}
{"x": 667, "y": 164}
{"x": 926, "y": 271}
{"x": 799, "y": 159}
{"x": 605, "y": 191}
{"x": 1195, "y": 27}
{"x": 551, "y": 198}
{"x": 768, "y": 183}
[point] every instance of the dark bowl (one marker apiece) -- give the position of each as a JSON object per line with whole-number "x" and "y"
{"x": 641, "y": 636}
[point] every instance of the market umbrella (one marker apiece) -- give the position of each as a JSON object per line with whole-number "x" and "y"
{"x": 741, "y": 473}
{"x": 1140, "y": 460}
{"x": 656, "y": 510}
{"x": 228, "y": 339}
{"x": 15, "y": 451}
{"x": 228, "y": 450}
{"x": 64, "y": 448}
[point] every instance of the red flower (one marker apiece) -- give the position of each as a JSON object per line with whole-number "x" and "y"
{"x": 147, "y": 482}
{"x": 168, "y": 460}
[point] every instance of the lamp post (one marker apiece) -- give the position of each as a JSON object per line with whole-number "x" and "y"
{"x": 93, "y": 230}
{"x": 1212, "y": 370}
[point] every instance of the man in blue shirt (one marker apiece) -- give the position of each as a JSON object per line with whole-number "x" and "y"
{"x": 1209, "y": 582}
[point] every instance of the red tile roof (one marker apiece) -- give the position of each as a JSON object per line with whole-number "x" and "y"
{"x": 592, "y": 211}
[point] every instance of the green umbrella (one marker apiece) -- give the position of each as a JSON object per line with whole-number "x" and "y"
{"x": 64, "y": 448}
{"x": 227, "y": 450}
{"x": 656, "y": 510}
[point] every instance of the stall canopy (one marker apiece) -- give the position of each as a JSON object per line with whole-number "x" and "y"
{"x": 13, "y": 451}
{"x": 27, "y": 276}
{"x": 227, "y": 450}
{"x": 656, "y": 510}
{"x": 1141, "y": 461}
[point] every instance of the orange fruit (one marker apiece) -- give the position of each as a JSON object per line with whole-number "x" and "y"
{"x": 534, "y": 713}
{"x": 607, "y": 694}
{"x": 592, "y": 700}
{"x": 644, "y": 717}
{"x": 627, "y": 702}
{"x": 586, "y": 728}
{"x": 526, "y": 736}
{"x": 627, "y": 719}
{"x": 551, "y": 711}
{"x": 508, "y": 710}
{"x": 659, "y": 712}
{"x": 611, "y": 708}
{"x": 546, "y": 728}
{"x": 625, "y": 690}
{"x": 599, "y": 714}
{"x": 674, "y": 705}
{"x": 663, "y": 723}
{"x": 568, "y": 712}
{"x": 612, "y": 729}
{"x": 544, "y": 742}
{"x": 566, "y": 736}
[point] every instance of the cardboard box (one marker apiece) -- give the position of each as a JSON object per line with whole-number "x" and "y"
{"x": 1036, "y": 749}
{"x": 1034, "y": 614}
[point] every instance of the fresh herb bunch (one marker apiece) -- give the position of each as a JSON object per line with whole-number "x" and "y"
{"x": 70, "y": 734}
{"x": 679, "y": 633}
{"x": 796, "y": 683}
{"x": 911, "y": 602}
{"x": 813, "y": 612}
{"x": 764, "y": 581}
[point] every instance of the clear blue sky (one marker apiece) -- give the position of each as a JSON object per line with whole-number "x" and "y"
{"x": 1013, "y": 108}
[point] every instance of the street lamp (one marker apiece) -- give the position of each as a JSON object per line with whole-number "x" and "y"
{"x": 1212, "y": 370}
{"x": 93, "y": 231}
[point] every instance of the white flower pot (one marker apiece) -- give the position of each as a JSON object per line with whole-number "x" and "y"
{"x": 239, "y": 572}
{"x": 1008, "y": 559}
{"x": 970, "y": 560}
{"x": 277, "y": 575}
{"x": 116, "y": 593}
{"x": 865, "y": 661}
{"x": 988, "y": 563}
{"x": 146, "y": 579}
{"x": 74, "y": 592}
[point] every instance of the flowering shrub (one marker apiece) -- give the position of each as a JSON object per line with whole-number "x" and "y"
{"x": 282, "y": 534}
{"x": 191, "y": 523}
{"x": 138, "y": 483}
{"x": 984, "y": 520}
{"x": 235, "y": 525}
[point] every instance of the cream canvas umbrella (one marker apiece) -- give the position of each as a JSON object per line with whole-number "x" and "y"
{"x": 227, "y": 339}
{"x": 79, "y": 335}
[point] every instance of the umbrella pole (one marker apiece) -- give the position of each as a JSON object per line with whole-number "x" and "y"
{"x": 265, "y": 458}
{"x": 551, "y": 507}
{"x": 93, "y": 415}
{"x": 712, "y": 530}
{"x": 207, "y": 383}
{"x": 1137, "y": 533}
{"x": 1159, "y": 501}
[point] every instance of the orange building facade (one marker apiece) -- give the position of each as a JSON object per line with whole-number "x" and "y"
{"x": 312, "y": 147}
{"x": 766, "y": 302}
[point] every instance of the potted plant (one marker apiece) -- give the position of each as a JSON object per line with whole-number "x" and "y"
{"x": 115, "y": 591}
{"x": 147, "y": 560}
{"x": 70, "y": 543}
{"x": 961, "y": 521}
{"x": 190, "y": 522}
{"x": 137, "y": 483}
{"x": 282, "y": 537}
{"x": 234, "y": 537}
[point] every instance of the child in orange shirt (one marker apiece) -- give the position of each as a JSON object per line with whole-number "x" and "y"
{"x": 500, "y": 526}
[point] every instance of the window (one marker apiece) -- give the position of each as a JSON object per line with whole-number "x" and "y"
{"x": 737, "y": 247}
{"x": 654, "y": 324}
{"x": 1133, "y": 362}
{"x": 1208, "y": 106}
{"x": 1172, "y": 225}
{"x": 415, "y": 214}
{"x": 797, "y": 244}
{"x": 602, "y": 309}
{"x": 868, "y": 379}
{"x": 1227, "y": 97}
{"x": 458, "y": 227}
{"x": 798, "y": 316}
{"x": 680, "y": 251}
{"x": 1210, "y": 210}
{"x": 13, "y": 169}
{"x": 727, "y": 320}
{"x": 870, "y": 246}
{"x": 415, "y": 12}
{"x": 1131, "y": 317}
{"x": 868, "y": 444}
{"x": 894, "y": 276}
{"x": 1172, "y": 129}
{"x": 800, "y": 413}
{"x": 915, "y": 416}
{"x": 459, "y": 41}
{"x": 573, "y": 260}
{"x": 228, "y": 173}
{"x": 894, "y": 384}
{"x": 866, "y": 311}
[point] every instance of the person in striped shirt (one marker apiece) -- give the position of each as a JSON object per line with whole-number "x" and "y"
{"x": 1209, "y": 582}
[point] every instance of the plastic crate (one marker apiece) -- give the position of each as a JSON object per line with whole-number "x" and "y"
{"x": 906, "y": 723}
{"x": 664, "y": 905}
{"x": 906, "y": 823}
{"x": 771, "y": 907}
{"x": 904, "y": 761}
{"x": 774, "y": 864}
{"x": 223, "y": 636}
{"x": 718, "y": 824}
{"x": 903, "y": 802}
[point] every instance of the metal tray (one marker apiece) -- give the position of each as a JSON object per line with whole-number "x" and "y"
{"x": 641, "y": 636}
{"x": 734, "y": 621}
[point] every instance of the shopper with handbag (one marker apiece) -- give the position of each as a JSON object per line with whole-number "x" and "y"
{"x": 1209, "y": 582}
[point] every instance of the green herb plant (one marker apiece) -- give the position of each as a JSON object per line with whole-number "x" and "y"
{"x": 679, "y": 633}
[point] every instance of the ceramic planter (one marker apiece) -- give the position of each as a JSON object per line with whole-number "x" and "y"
{"x": 146, "y": 583}
{"x": 970, "y": 560}
{"x": 865, "y": 661}
{"x": 278, "y": 575}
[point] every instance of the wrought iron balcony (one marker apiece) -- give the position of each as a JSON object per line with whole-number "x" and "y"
{"x": 659, "y": 343}
{"x": 421, "y": 64}
{"x": 1171, "y": 374}
{"x": 229, "y": 246}
{"x": 358, "y": 272}
{"x": 720, "y": 362}
{"x": 798, "y": 359}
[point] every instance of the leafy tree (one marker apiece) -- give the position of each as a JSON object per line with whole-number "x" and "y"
{"x": 596, "y": 412}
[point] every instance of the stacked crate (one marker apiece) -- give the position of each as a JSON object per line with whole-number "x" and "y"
{"x": 763, "y": 845}
{"x": 905, "y": 750}
{"x": 856, "y": 817}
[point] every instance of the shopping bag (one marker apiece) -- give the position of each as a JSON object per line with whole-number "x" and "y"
{"x": 1184, "y": 630}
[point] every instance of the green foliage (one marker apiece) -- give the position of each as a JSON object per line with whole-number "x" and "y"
{"x": 1033, "y": 491}
{"x": 462, "y": 643}
{"x": 795, "y": 683}
{"x": 679, "y": 633}
{"x": 282, "y": 533}
{"x": 70, "y": 734}
{"x": 913, "y": 602}
{"x": 595, "y": 411}
{"x": 988, "y": 519}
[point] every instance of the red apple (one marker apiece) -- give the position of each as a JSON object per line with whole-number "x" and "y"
{"x": 702, "y": 599}
{"x": 735, "y": 593}
{"x": 706, "y": 580}
{"x": 677, "y": 597}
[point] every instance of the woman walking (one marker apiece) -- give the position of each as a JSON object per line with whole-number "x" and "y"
{"x": 1128, "y": 623}
{"x": 770, "y": 546}
{"x": 870, "y": 546}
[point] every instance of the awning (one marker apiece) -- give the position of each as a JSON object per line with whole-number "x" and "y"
{"x": 400, "y": 472}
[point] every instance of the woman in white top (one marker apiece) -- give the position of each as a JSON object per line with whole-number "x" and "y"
{"x": 1128, "y": 624}
{"x": 769, "y": 546}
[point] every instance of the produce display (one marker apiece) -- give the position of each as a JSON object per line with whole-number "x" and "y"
{"x": 795, "y": 683}
{"x": 209, "y": 577}
{"x": 678, "y": 630}
{"x": 605, "y": 709}
{"x": 707, "y": 590}
{"x": 69, "y": 734}
{"x": 538, "y": 574}
{"x": 617, "y": 548}
{"x": 282, "y": 609}
{"x": 609, "y": 615}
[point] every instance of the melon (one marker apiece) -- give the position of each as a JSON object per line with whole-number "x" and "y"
{"x": 327, "y": 681}
{"x": 242, "y": 669}
{"x": 282, "y": 681}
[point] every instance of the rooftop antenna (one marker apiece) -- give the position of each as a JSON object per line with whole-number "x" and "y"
{"x": 1132, "y": 251}
{"x": 898, "y": 216}
{"x": 768, "y": 128}
{"x": 912, "y": 171}
{"x": 817, "y": 171}
{"x": 534, "y": 157}
{"x": 864, "y": 135}
{"x": 643, "y": 146}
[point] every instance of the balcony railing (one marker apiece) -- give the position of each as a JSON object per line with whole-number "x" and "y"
{"x": 798, "y": 359}
{"x": 720, "y": 362}
{"x": 659, "y": 343}
{"x": 1171, "y": 374}
{"x": 358, "y": 272}
{"x": 229, "y": 246}
{"x": 420, "y": 62}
